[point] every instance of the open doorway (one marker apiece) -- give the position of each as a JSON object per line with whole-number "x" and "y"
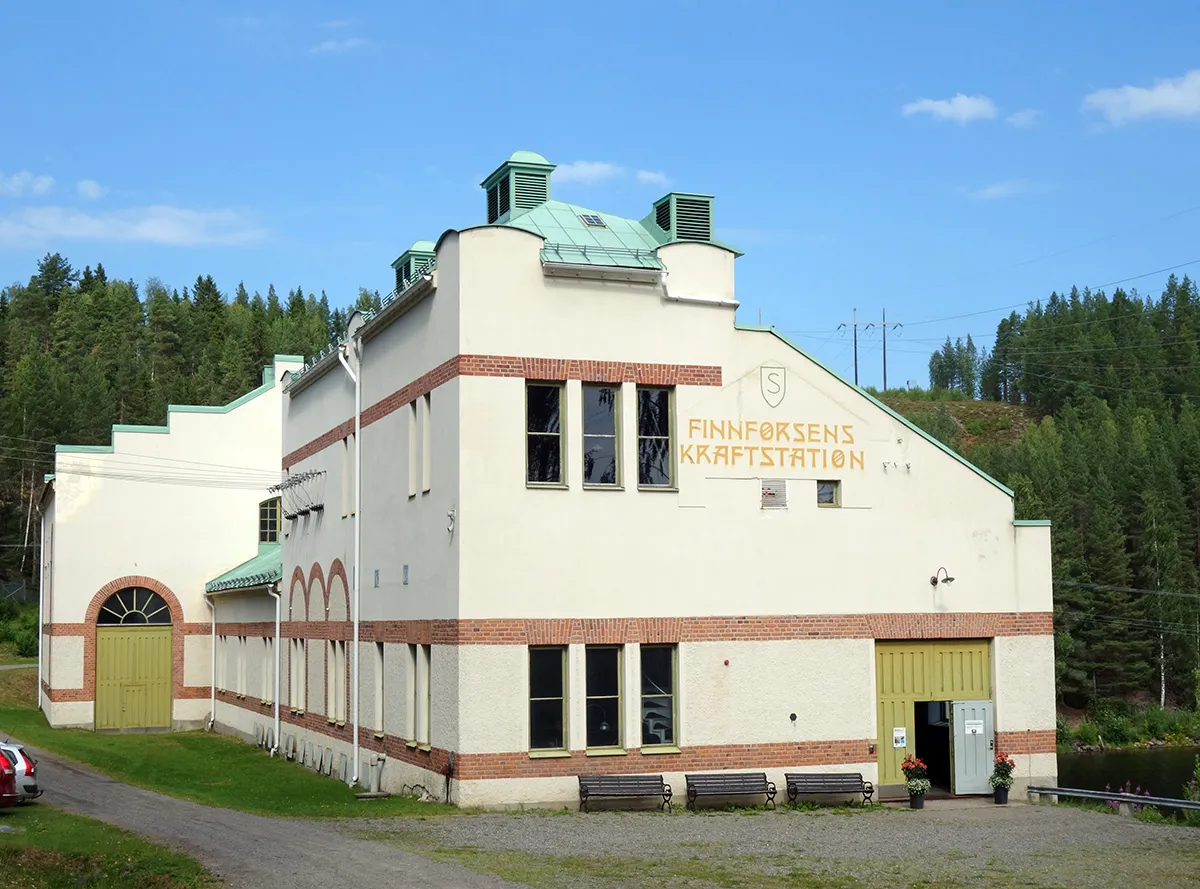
{"x": 932, "y": 742}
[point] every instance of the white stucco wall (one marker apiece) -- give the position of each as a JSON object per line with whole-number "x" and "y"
{"x": 1023, "y": 683}
{"x": 66, "y": 662}
{"x": 197, "y": 660}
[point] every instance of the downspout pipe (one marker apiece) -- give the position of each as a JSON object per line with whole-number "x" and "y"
{"x": 356, "y": 376}
{"x": 273, "y": 590}
{"x": 212, "y": 611}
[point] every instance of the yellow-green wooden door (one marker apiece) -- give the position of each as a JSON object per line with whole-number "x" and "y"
{"x": 133, "y": 677}
{"x": 908, "y": 672}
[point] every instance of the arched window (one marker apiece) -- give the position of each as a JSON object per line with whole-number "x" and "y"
{"x": 132, "y": 606}
{"x": 268, "y": 521}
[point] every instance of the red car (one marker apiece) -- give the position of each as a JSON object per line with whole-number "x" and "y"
{"x": 9, "y": 795}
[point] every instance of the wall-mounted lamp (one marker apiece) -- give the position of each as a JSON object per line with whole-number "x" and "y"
{"x": 933, "y": 581}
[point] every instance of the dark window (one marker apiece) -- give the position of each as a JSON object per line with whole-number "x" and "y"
{"x": 600, "y": 446}
{"x": 268, "y": 521}
{"x": 654, "y": 438}
{"x": 603, "y": 696}
{"x": 829, "y": 493}
{"x": 547, "y": 698}
{"x": 134, "y": 606}
{"x": 543, "y": 433}
{"x": 658, "y": 695}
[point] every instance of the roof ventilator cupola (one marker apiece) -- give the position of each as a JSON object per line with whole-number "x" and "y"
{"x": 520, "y": 183}
{"x": 684, "y": 217}
{"x": 417, "y": 260}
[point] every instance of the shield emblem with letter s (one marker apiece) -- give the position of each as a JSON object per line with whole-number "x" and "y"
{"x": 773, "y": 382}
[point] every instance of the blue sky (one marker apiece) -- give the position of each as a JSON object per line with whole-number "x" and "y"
{"x": 932, "y": 159}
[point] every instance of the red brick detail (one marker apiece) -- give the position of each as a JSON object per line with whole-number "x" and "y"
{"x": 717, "y": 757}
{"x": 587, "y": 370}
{"x": 316, "y": 574}
{"x": 1027, "y": 742}
{"x": 297, "y": 581}
{"x": 66, "y": 695}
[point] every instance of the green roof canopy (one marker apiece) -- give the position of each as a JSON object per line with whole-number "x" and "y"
{"x": 265, "y": 568}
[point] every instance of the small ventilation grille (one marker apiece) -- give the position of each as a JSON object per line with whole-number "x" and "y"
{"x": 662, "y": 215}
{"x": 530, "y": 190}
{"x": 503, "y": 197}
{"x": 693, "y": 220}
{"x": 401, "y": 275}
{"x": 493, "y": 211}
{"x": 774, "y": 493}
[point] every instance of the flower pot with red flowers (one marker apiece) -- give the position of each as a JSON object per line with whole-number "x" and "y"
{"x": 1001, "y": 779}
{"x": 916, "y": 781}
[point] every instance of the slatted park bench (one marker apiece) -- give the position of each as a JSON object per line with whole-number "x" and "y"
{"x": 617, "y": 786}
{"x": 730, "y": 784}
{"x": 799, "y": 783}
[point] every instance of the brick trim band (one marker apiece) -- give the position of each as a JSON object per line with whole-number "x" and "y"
{"x": 510, "y": 366}
{"x": 1028, "y": 742}
{"x": 618, "y": 631}
{"x": 77, "y": 695}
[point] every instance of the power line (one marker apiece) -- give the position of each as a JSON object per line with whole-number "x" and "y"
{"x": 1106, "y": 588}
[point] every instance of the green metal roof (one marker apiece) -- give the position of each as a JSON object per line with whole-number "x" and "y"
{"x": 619, "y": 242}
{"x": 265, "y": 568}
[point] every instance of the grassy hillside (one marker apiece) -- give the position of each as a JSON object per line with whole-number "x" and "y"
{"x": 965, "y": 424}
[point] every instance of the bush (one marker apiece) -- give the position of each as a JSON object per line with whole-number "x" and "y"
{"x": 27, "y": 643}
{"x": 8, "y": 609}
{"x": 1064, "y": 730}
{"x": 1087, "y": 733}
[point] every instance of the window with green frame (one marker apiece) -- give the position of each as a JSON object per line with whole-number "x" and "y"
{"x": 601, "y": 442}
{"x": 659, "y": 670}
{"x": 268, "y": 521}
{"x": 544, "y": 434}
{"x": 655, "y": 437}
{"x": 548, "y": 698}
{"x": 603, "y": 681}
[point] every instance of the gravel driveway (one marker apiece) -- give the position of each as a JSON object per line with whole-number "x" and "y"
{"x": 249, "y": 851}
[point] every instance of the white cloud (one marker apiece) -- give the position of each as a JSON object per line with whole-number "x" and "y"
{"x": 1023, "y": 120}
{"x": 1010, "y": 188}
{"x": 24, "y": 182}
{"x": 1175, "y": 98}
{"x": 172, "y": 226}
{"x": 587, "y": 172}
{"x": 960, "y": 109}
{"x": 91, "y": 189}
{"x": 653, "y": 177}
{"x": 347, "y": 44}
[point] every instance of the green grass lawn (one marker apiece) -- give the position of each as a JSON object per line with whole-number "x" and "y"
{"x": 54, "y": 850}
{"x": 208, "y": 769}
{"x": 8, "y": 655}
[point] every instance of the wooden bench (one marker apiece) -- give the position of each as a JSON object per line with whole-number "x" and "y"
{"x": 615, "y": 786}
{"x": 730, "y": 784}
{"x": 827, "y": 783}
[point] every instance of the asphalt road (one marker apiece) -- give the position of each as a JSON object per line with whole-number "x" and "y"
{"x": 249, "y": 851}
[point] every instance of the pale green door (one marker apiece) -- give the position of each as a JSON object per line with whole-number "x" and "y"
{"x": 133, "y": 677}
{"x": 910, "y": 672}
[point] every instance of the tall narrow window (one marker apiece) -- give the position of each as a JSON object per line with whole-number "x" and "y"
{"x": 547, "y": 698}
{"x": 655, "y": 444}
{"x": 603, "y": 696}
{"x": 658, "y": 695}
{"x": 424, "y": 662}
{"x": 241, "y": 682}
{"x": 379, "y": 686}
{"x": 265, "y": 665}
{"x": 339, "y": 698}
{"x": 410, "y": 693}
{"x": 543, "y": 433}
{"x": 221, "y": 655}
{"x": 601, "y": 447}
{"x": 426, "y": 446}
{"x": 414, "y": 453}
{"x": 347, "y": 477}
{"x": 330, "y": 687}
{"x": 350, "y": 478}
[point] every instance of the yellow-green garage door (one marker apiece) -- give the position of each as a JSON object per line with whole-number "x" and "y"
{"x": 908, "y": 672}
{"x": 133, "y": 677}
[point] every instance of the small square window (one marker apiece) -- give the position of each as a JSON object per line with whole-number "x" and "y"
{"x": 593, "y": 220}
{"x": 829, "y": 493}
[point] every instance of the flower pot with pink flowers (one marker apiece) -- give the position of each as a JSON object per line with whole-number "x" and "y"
{"x": 916, "y": 781}
{"x": 1001, "y": 779}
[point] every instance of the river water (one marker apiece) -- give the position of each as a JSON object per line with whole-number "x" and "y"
{"x": 1161, "y": 770}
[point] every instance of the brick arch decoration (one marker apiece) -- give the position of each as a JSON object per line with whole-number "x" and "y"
{"x": 315, "y": 575}
{"x": 178, "y": 631}
{"x": 298, "y": 581}
{"x": 337, "y": 569}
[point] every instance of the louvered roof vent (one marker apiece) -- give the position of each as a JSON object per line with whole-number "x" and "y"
{"x": 520, "y": 183}
{"x": 685, "y": 217}
{"x": 417, "y": 258}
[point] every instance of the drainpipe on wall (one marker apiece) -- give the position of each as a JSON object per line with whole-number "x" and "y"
{"x": 41, "y": 597}
{"x": 357, "y": 378}
{"x": 274, "y": 592}
{"x": 212, "y": 610}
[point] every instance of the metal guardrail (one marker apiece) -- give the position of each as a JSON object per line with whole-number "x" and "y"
{"x": 1108, "y": 797}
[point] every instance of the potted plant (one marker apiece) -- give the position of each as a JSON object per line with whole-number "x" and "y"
{"x": 1001, "y": 779}
{"x": 916, "y": 781}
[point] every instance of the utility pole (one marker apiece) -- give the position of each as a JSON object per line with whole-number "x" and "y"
{"x": 854, "y": 325}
